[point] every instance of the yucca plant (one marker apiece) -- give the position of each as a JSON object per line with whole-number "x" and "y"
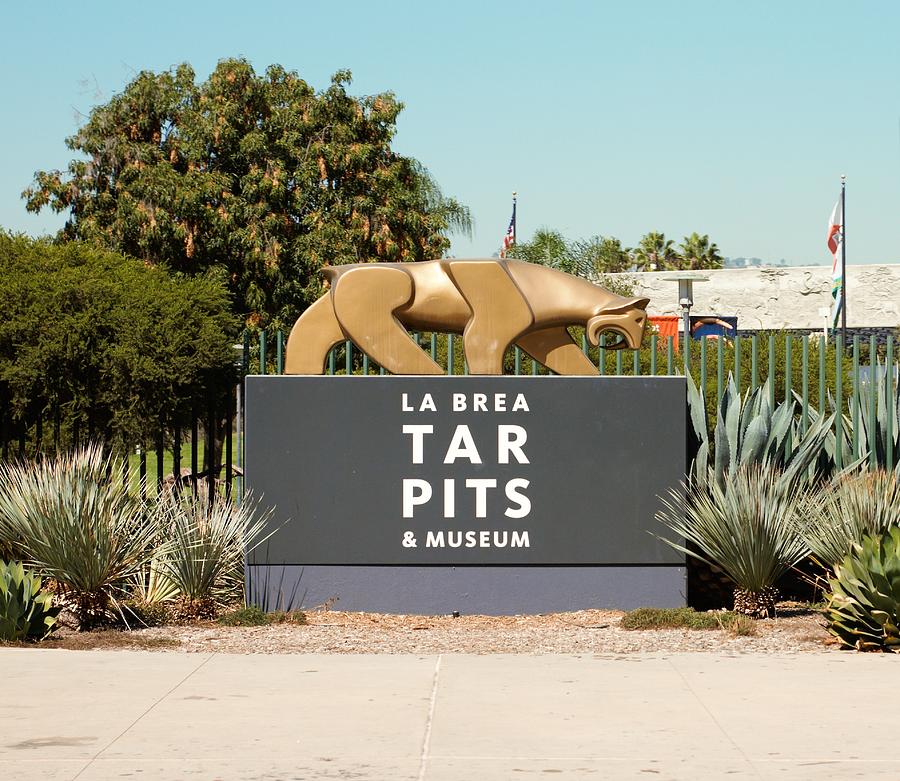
{"x": 864, "y": 607}
{"x": 68, "y": 520}
{"x": 750, "y": 431}
{"x": 204, "y": 561}
{"x": 745, "y": 525}
{"x": 853, "y": 506}
{"x": 26, "y": 610}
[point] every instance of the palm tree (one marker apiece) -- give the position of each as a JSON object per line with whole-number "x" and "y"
{"x": 699, "y": 253}
{"x": 655, "y": 252}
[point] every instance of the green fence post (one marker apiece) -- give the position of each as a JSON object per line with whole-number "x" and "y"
{"x": 348, "y": 357}
{"x": 737, "y": 361}
{"x": 535, "y": 368}
{"x": 618, "y": 363}
{"x": 889, "y": 402}
{"x": 788, "y": 369}
{"x": 279, "y": 351}
{"x": 262, "y": 352}
{"x": 653, "y": 348}
{"x": 518, "y": 363}
{"x": 873, "y": 402}
{"x": 670, "y": 355}
{"x": 601, "y": 355}
{"x": 703, "y": 367}
{"x": 823, "y": 350}
{"x": 449, "y": 353}
{"x": 771, "y": 378}
{"x": 804, "y": 411}
{"x": 365, "y": 368}
{"x": 636, "y": 362}
{"x": 839, "y": 401}
{"x": 754, "y": 361}
{"x": 331, "y": 361}
{"x": 854, "y": 406}
{"x": 720, "y": 370}
{"x": 584, "y": 344}
{"x": 434, "y": 346}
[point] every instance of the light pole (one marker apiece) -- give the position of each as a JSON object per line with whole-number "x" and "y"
{"x": 686, "y": 301}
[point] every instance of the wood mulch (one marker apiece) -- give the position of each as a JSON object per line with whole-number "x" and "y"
{"x": 796, "y": 629}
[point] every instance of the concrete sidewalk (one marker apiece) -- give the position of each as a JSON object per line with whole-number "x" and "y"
{"x": 109, "y": 714}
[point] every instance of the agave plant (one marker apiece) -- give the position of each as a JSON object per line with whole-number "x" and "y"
{"x": 750, "y": 431}
{"x": 879, "y": 427}
{"x": 73, "y": 524}
{"x": 26, "y": 610}
{"x": 853, "y": 506}
{"x": 204, "y": 561}
{"x": 745, "y": 525}
{"x": 864, "y": 607}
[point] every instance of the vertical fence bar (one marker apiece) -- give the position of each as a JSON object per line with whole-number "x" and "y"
{"x": 737, "y": 362}
{"x": 176, "y": 457}
{"x": 262, "y": 352}
{"x": 839, "y": 402}
{"x": 348, "y": 357}
{"x": 804, "y": 410}
{"x": 670, "y": 355}
{"x": 210, "y": 456}
{"x": 279, "y": 351}
{"x": 873, "y": 402}
{"x": 653, "y": 356}
{"x": 788, "y": 368}
{"x": 754, "y": 362}
{"x": 601, "y": 355}
{"x": 365, "y": 368}
{"x": 160, "y": 457}
{"x": 142, "y": 472}
{"x": 889, "y": 403}
{"x": 636, "y": 362}
{"x": 771, "y": 378}
{"x": 703, "y": 366}
{"x": 518, "y": 360}
{"x": 195, "y": 436}
{"x": 434, "y": 346}
{"x": 535, "y": 368}
{"x": 229, "y": 432}
{"x": 584, "y": 344}
{"x": 618, "y": 363}
{"x": 720, "y": 369}
{"x": 331, "y": 360}
{"x": 854, "y": 405}
{"x": 823, "y": 349}
{"x": 449, "y": 353}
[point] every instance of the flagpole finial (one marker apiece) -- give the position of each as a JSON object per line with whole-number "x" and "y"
{"x": 514, "y": 193}
{"x": 843, "y": 178}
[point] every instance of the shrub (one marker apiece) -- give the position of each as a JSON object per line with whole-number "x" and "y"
{"x": 863, "y": 610}
{"x": 853, "y": 507}
{"x": 255, "y": 616}
{"x": 204, "y": 560}
{"x": 670, "y": 618}
{"x": 66, "y": 518}
{"x": 26, "y": 611}
{"x": 746, "y": 527}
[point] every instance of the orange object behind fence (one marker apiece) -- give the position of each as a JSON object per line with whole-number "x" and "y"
{"x": 666, "y": 326}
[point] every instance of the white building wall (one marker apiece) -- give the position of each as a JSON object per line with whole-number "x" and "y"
{"x": 776, "y": 298}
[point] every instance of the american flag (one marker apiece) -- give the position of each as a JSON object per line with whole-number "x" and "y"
{"x": 835, "y": 239}
{"x": 510, "y": 238}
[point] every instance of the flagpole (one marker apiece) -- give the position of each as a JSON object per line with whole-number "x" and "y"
{"x": 843, "y": 260}
{"x": 515, "y": 217}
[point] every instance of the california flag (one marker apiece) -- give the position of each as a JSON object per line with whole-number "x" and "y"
{"x": 835, "y": 239}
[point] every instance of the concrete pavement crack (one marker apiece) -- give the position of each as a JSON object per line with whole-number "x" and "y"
{"x": 133, "y": 723}
{"x": 426, "y": 740}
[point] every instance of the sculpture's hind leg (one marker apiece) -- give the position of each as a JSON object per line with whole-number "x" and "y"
{"x": 364, "y": 302}
{"x": 554, "y": 348}
{"x": 316, "y": 331}
{"x": 499, "y": 312}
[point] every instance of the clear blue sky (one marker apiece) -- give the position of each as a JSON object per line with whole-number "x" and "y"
{"x": 615, "y": 118}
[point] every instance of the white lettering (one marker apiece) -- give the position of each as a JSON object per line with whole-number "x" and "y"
{"x": 415, "y": 492}
{"x": 510, "y": 439}
{"x": 454, "y": 542}
{"x": 405, "y": 404}
{"x": 481, "y": 484}
{"x": 418, "y": 435}
{"x": 520, "y": 404}
{"x": 434, "y": 540}
{"x": 479, "y": 402}
{"x": 520, "y": 499}
{"x": 459, "y": 402}
{"x": 520, "y": 540}
{"x": 449, "y": 498}
{"x": 462, "y": 446}
{"x": 470, "y": 539}
{"x": 499, "y": 402}
{"x": 427, "y": 404}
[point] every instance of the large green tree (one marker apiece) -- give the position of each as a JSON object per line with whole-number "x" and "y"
{"x": 655, "y": 252}
{"x": 260, "y": 176}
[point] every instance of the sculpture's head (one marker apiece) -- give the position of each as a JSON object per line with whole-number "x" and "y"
{"x": 625, "y": 317}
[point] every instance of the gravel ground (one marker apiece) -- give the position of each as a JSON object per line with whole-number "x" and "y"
{"x": 797, "y": 629}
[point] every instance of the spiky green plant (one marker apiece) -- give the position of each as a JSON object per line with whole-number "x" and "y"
{"x": 864, "y": 607}
{"x": 879, "y": 426}
{"x": 68, "y": 520}
{"x": 750, "y": 431}
{"x": 745, "y": 525}
{"x": 26, "y": 610}
{"x": 853, "y": 506}
{"x": 208, "y": 541}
